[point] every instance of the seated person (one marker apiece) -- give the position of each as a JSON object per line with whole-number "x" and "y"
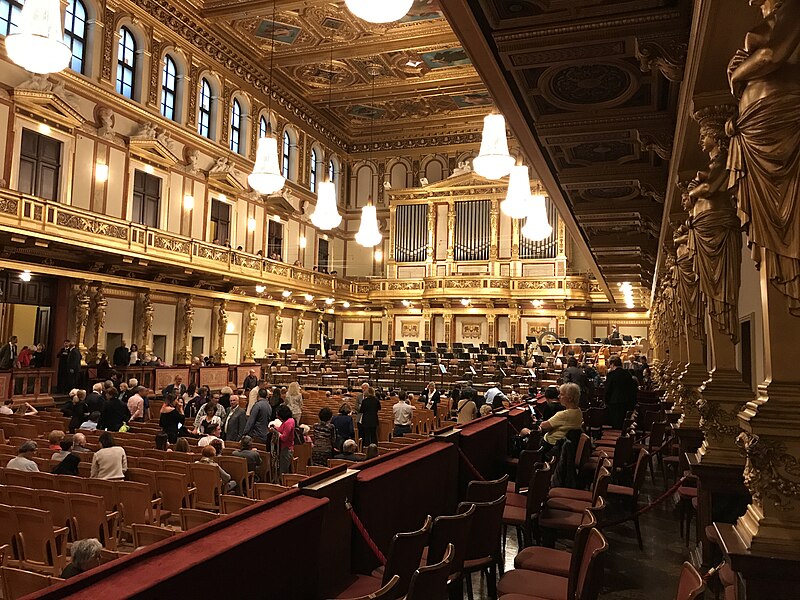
{"x": 349, "y": 448}
{"x": 550, "y": 404}
{"x": 23, "y": 461}
{"x": 85, "y": 555}
{"x": 556, "y": 427}
{"x": 91, "y": 423}
{"x": 246, "y": 451}
{"x": 208, "y": 455}
{"x": 213, "y": 431}
{"x": 66, "y": 449}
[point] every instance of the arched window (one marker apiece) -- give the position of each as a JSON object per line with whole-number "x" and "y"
{"x": 262, "y": 127}
{"x": 9, "y": 16}
{"x": 236, "y": 126}
{"x": 169, "y": 87}
{"x": 286, "y": 154}
{"x": 126, "y": 63}
{"x": 331, "y": 171}
{"x": 204, "y": 110}
{"x": 312, "y": 182}
{"x": 75, "y": 33}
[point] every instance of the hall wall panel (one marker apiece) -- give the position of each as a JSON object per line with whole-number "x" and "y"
{"x": 116, "y": 192}
{"x": 164, "y": 324}
{"x": 202, "y": 328}
{"x": 579, "y": 328}
{"x": 353, "y": 330}
{"x": 261, "y": 338}
{"x": 119, "y": 318}
{"x": 471, "y": 330}
{"x": 83, "y": 173}
{"x": 750, "y": 305}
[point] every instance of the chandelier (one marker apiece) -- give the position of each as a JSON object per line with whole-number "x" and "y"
{"x": 38, "y": 45}
{"x": 368, "y": 233}
{"x": 537, "y": 228}
{"x": 326, "y": 213}
{"x": 493, "y": 161}
{"x": 266, "y": 177}
{"x": 379, "y": 11}
{"x": 518, "y": 199}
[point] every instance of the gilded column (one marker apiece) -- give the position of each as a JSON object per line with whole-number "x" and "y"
{"x": 99, "y": 306}
{"x": 491, "y": 326}
{"x": 248, "y": 351}
{"x": 430, "y": 246}
{"x": 109, "y": 55}
{"x": 515, "y": 322}
{"x": 82, "y": 301}
{"x": 277, "y": 331}
{"x": 451, "y": 235}
{"x": 448, "y": 328}
{"x": 299, "y": 331}
{"x": 494, "y": 236}
{"x": 184, "y": 353}
{"x": 220, "y": 325}
{"x": 427, "y": 318}
{"x": 145, "y": 318}
{"x": 516, "y": 266}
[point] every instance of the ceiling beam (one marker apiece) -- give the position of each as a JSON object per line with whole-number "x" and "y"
{"x": 460, "y": 14}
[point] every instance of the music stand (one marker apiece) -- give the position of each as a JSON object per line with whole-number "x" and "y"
{"x": 348, "y": 341}
{"x": 286, "y": 347}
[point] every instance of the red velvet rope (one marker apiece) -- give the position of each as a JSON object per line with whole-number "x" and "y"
{"x": 648, "y": 507}
{"x": 365, "y": 534}
{"x": 470, "y": 466}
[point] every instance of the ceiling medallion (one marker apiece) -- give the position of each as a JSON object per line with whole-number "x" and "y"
{"x": 580, "y": 87}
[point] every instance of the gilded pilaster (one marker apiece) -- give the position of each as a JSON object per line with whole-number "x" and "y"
{"x": 299, "y": 332}
{"x": 82, "y": 300}
{"x": 251, "y": 322}
{"x": 186, "y": 322}
{"x": 99, "y": 305}
{"x": 219, "y": 318}
{"x": 429, "y": 247}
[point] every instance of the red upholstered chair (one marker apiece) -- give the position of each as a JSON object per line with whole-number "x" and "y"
{"x": 552, "y": 521}
{"x": 578, "y": 506}
{"x": 523, "y": 518}
{"x": 527, "y": 461}
{"x": 430, "y": 583}
{"x": 387, "y": 592}
{"x": 483, "y": 547}
{"x": 573, "y": 494}
{"x": 447, "y": 530}
{"x": 404, "y": 557}
{"x": 690, "y": 585}
{"x": 521, "y": 584}
{"x": 631, "y": 493}
{"x": 486, "y": 491}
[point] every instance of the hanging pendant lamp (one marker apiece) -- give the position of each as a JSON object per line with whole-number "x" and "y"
{"x": 379, "y": 11}
{"x": 369, "y": 234}
{"x": 537, "y": 228}
{"x": 518, "y": 198}
{"x": 266, "y": 177}
{"x": 38, "y": 44}
{"x": 326, "y": 214}
{"x": 493, "y": 161}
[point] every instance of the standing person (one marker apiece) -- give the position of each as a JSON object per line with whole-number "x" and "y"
{"x": 467, "y": 409}
{"x": 360, "y": 398}
{"x": 8, "y": 353}
{"x": 250, "y": 381}
{"x": 253, "y": 393}
{"x": 431, "y": 396}
{"x": 294, "y": 400}
{"x": 77, "y": 410}
{"x": 24, "y": 358}
{"x": 175, "y": 387}
{"x": 285, "y": 432}
{"x": 110, "y": 462}
{"x": 368, "y": 427}
{"x": 343, "y": 422}
{"x": 620, "y": 392}
{"x": 63, "y": 371}
{"x": 38, "y": 359}
{"x": 323, "y": 435}
{"x": 136, "y": 404}
{"x": 74, "y": 360}
{"x": 114, "y": 413}
{"x": 403, "y": 414}
{"x": 234, "y": 424}
{"x": 574, "y": 374}
{"x": 133, "y": 356}
{"x": 122, "y": 356}
{"x": 94, "y": 400}
{"x": 257, "y": 425}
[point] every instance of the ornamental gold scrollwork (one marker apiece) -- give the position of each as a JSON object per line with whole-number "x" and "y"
{"x": 713, "y": 420}
{"x": 766, "y": 470}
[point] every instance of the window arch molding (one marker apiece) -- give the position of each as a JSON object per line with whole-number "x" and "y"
{"x": 140, "y": 54}
{"x": 363, "y": 183}
{"x": 181, "y": 77}
{"x": 244, "y": 122}
{"x": 398, "y": 173}
{"x": 434, "y": 168}
{"x": 72, "y": 23}
{"x": 289, "y": 150}
{"x": 214, "y": 87}
{"x": 316, "y": 166}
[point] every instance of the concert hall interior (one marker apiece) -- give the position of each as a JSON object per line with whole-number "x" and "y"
{"x": 421, "y": 299}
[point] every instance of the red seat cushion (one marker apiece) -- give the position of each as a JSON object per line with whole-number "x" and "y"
{"x": 687, "y": 492}
{"x": 515, "y": 515}
{"x": 572, "y": 494}
{"x": 513, "y": 499}
{"x": 544, "y": 560}
{"x": 520, "y": 581}
{"x": 362, "y": 586}
{"x": 560, "y": 519}
{"x": 619, "y": 490}
{"x": 477, "y": 564}
{"x": 511, "y": 487}
{"x": 569, "y": 504}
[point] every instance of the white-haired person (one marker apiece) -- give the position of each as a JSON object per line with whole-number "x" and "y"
{"x": 84, "y": 556}
{"x": 561, "y": 423}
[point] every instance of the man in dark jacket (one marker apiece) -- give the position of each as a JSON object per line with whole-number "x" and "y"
{"x": 114, "y": 414}
{"x": 236, "y": 420}
{"x": 63, "y": 371}
{"x": 257, "y": 425}
{"x": 250, "y": 381}
{"x": 122, "y": 356}
{"x": 74, "y": 360}
{"x": 621, "y": 391}
{"x": 574, "y": 374}
{"x": 94, "y": 400}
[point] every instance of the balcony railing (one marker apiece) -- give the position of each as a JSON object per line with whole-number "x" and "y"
{"x": 81, "y": 227}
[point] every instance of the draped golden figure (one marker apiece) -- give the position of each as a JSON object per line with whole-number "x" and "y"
{"x": 764, "y": 159}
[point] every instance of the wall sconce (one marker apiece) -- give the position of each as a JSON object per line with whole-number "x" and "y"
{"x": 101, "y": 173}
{"x": 251, "y": 224}
{"x": 149, "y": 169}
{"x": 44, "y": 129}
{"x": 465, "y": 302}
{"x": 308, "y": 297}
{"x": 345, "y": 304}
{"x": 260, "y": 289}
{"x": 378, "y": 255}
{"x": 25, "y": 276}
{"x": 286, "y": 293}
{"x": 188, "y": 202}
{"x": 229, "y": 327}
{"x": 302, "y": 241}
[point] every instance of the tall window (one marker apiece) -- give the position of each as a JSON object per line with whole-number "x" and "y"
{"x": 146, "y": 199}
{"x": 169, "y": 87}
{"x": 286, "y": 154}
{"x": 39, "y": 165}
{"x": 204, "y": 112}
{"x": 331, "y": 171}
{"x": 126, "y": 63}
{"x": 275, "y": 240}
{"x": 75, "y": 33}
{"x": 236, "y": 127}
{"x": 220, "y": 221}
{"x": 322, "y": 255}
{"x": 262, "y": 127}
{"x": 312, "y": 182}
{"x": 9, "y": 16}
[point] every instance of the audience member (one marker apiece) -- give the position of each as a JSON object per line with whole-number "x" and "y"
{"x": 621, "y": 392}
{"x": 122, "y": 355}
{"x": 294, "y": 400}
{"x": 348, "y": 452}
{"x": 430, "y": 397}
{"x": 225, "y": 400}
{"x": 94, "y": 400}
{"x": 110, "y": 462}
{"x": 114, "y": 413}
{"x": 557, "y": 426}
{"x": 250, "y": 381}
{"x": 372, "y": 451}
{"x": 467, "y": 410}
{"x": 207, "y": 457}
{"x": 253, "y": 395}
{"x": 247, "y": 452}
{"x": 285, "y": 431}
{"x": 79, "y": 443}
{"x": 212, "y": 432}
{"x": 84, "y": 556}
{"x": 323, "y": 434}
{"x": 23, "y": 461}
{"x": 257, "y": 425}
{"x": 68, "y": 465}
{"x": 403, "y": 414}
{"x": 76, "y": 409}
{"x": 218, "y": 411}
{"x": 161, "y": 441}
{"x": 368, "y": 427}
{"x": 182, "y": 446}
{"x": 54, "y": 440}
{"x": 176, "y": 387}
{"x": 7, "y": 408}
{"x": 207, "y": 418}
{"x": 91, "y": 422}
{"x": 136, "y": 404}
{"x": 66, "y": 448}
{"x": 237, "y": 419}
{"x": 343, "y": 423}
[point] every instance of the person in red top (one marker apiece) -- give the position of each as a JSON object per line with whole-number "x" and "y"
{"x": 286, "y": 432}
{"x": 24, "y": 358}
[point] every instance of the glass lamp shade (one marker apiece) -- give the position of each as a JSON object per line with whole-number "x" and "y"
{"x": 38, "y": 45}
{"x": 326, "y": 213}
{"x": 368, "y": 233}
{"x": 266, "y": 177}
{"x": 518, "y": 199}
{"x": 493, "y": 161}
{"x": 379, "y": 11}
{"x": 537, "y": 228}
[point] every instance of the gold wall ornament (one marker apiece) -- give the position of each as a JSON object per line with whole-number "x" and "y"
{"x": 99, "y": 306}
{"x": 409, "y": 329}
{"x": 471, "y": 331}
{"x": 299, "y": 332}
{"x": 277, "y": 330}
{"x": 81, "y": 315}
{"x": 248, "y": 352}
{"x": 184, "y": 353}
{"x": 771, "y": 473}
{"x": 221, "y": 314}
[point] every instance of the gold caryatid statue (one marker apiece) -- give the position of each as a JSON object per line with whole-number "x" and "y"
{"x": 685, "y": 274}
{"x": 764, "y": 159}
{"x": 715, "y": 236}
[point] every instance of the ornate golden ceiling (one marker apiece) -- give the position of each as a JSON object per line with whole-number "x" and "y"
{"x": 424, "y": 79}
